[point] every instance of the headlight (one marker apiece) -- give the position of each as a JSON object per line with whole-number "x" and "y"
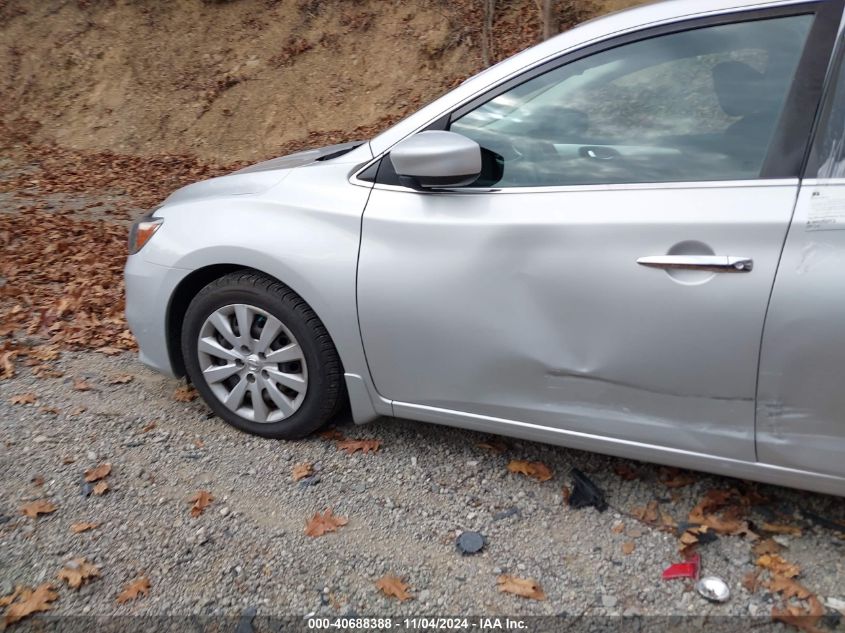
{"x": 142, "y": 231}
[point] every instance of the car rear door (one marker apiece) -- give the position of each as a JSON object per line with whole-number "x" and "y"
{"x": 801, "y": 401}
{"x": 608, "y": 275}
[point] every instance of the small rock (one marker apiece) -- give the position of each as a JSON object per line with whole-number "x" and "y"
{"x": 91, "y": 455}
{"x": 837, "y": 604}
{"x": 38, "y": 439}
{"x": 608, "y": 601}
{"x": 224, "y": 511}
{"x": 470, "y": 543}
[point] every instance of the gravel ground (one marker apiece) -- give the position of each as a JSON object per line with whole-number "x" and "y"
{"x": 405, "y": 505}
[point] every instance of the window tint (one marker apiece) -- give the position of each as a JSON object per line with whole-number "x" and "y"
{"x": 691, "y": 106}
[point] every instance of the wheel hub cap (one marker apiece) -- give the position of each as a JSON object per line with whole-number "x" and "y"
{"x": 252, "y": 363}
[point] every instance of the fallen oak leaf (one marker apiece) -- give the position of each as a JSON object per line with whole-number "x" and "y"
{"x": 101, "y": 488}
{"x": 95, "y": 474}
{"x": 365, "y": 446}
{"x": 121, "y": 379}
{"x": 77, "y": 528}
{"x": 185, "y": 394}
{"x": 788, "y": 588}
{"x": 301, "y": 471}
{"x": 42, "y": 506}
{"x": 774, "y": 528}
{"x": 800, "y": 617}
{"x": 80, "y": 384}
{"x": 24, "y": 398}
{"x": 321, "y": 524}
{"x": 766, "y": 546}
{"x": 5, "y": 601}
{"x": 535, "y": 470}
{"x": 201, "y": 501}
{"x": 778, "y": 565}
{"x": 30, "y": 601}
{"x": 524, "y": 587}
{"x": 77, "y": 572}
{"x": 332, "y": 434}
{"x": 139, "y": 586}
{"x": 392, "y": 586}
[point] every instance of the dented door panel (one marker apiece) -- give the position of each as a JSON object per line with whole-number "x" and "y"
{"x": 531, "y": 306}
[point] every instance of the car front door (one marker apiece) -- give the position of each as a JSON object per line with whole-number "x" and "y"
{"x": 608, "y": 273}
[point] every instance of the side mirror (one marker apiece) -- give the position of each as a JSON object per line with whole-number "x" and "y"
{"x": 438, "y": 159}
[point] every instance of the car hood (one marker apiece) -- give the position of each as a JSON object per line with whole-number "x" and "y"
{"x": 256, "y": 178}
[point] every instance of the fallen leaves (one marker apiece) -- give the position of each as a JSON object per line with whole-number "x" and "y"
{"x": 628, "y": 548}
{"x": 121, "y": 379}
{"x": 80, "y": 384}
{"x": 535, "y": 470}
{"x": 676, "y": 478}
{"x": 95, "y": 474}
{"x": 778, "y": 566}
{"x": 365, "y": 446}
{"x": 138, "y": 587}
{"x": 647, "y": 513}
{"x": 394, "y": 587}
{"x": 100, "y": 489}
{"x": 494, "y": 445}
{"x": 77, "y": 572}
{"x": 24, "y": 398}
{"x": 332, "y": 435}
{"x": 25, "y": 602}
{"x": 301, "y": 471}
{"x": 78, "y": 528}
{"x": 201, "y": 501}
{"x": 34, "y": 508}
{"x": 320, "y": 524}
{"x": 774, "y": 528}
{"x": 185, "y": 393}
{"x": 524, "y": 587}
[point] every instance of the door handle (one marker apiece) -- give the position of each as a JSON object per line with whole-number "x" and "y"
{"x": 713, "y": 263}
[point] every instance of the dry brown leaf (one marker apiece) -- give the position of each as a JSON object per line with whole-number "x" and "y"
{"x": 525, "y": 587}
{"x": 567, "y": 494}
{"x": 788, "y": 588}
{"x": 676, "y": 478}
{"x": 185, "y": 394}
{"x": 5, "y": 601}
{"x": 778, "y": 565}
{"x": 647, "y": 514}
{"x": 77, "y": 411}
{"x": 535, "y": 470}
{"x": 766, "y": 546}
{"x": 95, "y": 474}
{"x": 7, "y": 364}
{"x": 24, "y": 398}
{"x": 77, "y": 572}
{"x": 50, "y": 410}
{"x": 38, "y": 480}
{"x": 365, "y": 446}
{"x": 774, "y": 528}
{"x": 30, "y": 601}
{"x": 320, "y": 524}
{"x": 80, "y": 384}
{"x": 332, "y": 434}
{"x": 628, "y": 548}
{"x": 201, "y": 501}
{"x": 497, "y": 446}
{"x": 42, "y": 506}
{"x": 139, "y": 586}
{"x": 121, "y": 379}
{"x": 618, "y": 528}
{"x": 393, "y": 587}
{"x": 804, "y": 619}
{"x": 76, "y": 528}
{"x": 626, "y": 471}
{"x": 301, "y": 471}
{"x": 101, "y": 488}
{"x": 149, "y": 427}
{"x": 751, "y": 580}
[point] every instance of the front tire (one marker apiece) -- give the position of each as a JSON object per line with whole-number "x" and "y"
{"x": 260, "y": 357}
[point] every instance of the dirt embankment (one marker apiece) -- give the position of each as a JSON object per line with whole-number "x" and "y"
{"x": 241, "y": 79}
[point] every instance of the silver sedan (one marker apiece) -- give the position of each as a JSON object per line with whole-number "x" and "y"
{"x": 628, "y": 239}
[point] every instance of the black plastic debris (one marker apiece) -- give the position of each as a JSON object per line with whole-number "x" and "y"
{"x": 470, "y": 543}
{"x": 87, "y": 489}
{"x": 703, "y": 537}
{"x": 312, "y": 480}
{"x": 585, "y": 493}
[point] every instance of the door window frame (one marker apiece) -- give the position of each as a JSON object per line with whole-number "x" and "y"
{"x": 790, "y": 144}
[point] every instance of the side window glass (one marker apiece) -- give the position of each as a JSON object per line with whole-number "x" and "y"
{"x": 692, "y": 106}
{"x": 829, "y": 149}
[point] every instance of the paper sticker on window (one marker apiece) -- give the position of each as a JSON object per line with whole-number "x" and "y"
{"x": 827, "y": 211}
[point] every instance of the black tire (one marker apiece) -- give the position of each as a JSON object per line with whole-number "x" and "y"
{"x": 325, "y": 394}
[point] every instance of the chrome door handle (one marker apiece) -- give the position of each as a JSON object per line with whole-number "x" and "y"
{"x": 713, "y": 263}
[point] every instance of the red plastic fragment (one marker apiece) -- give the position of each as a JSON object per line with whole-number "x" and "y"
{"x": 689, "y": 569}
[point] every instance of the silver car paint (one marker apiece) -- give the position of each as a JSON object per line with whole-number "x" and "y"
{"x": 301, "y": 223}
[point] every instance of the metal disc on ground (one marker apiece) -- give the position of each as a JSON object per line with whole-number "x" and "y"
{"x": 713, "y": 588}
